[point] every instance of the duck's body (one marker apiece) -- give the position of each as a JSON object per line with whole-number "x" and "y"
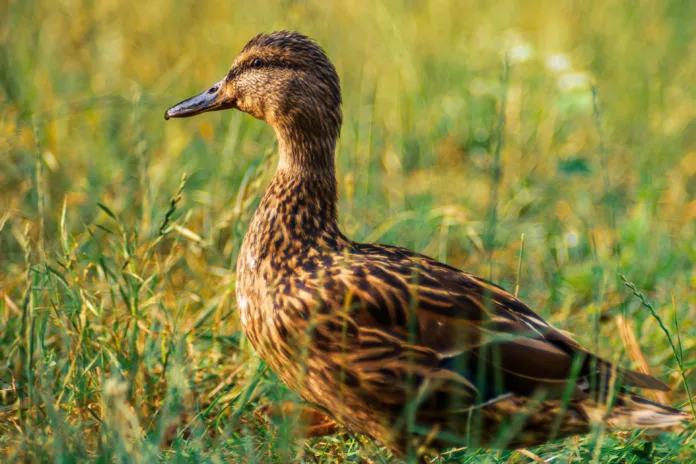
{"x": 363, "y": 330}
{"x": 391, "y": 343}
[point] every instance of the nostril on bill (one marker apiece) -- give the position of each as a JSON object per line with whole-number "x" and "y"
{"x": 213, "y": 89}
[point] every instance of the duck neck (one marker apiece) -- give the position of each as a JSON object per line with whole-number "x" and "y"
{"x": 306, "y": 178}
{"x": 308, "y": 149}
{"x": 299, "y": 208}
{"x": 305, "y": 201}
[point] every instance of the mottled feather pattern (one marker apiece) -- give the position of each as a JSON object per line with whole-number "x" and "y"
{"x": 384, "y": 322}
{"x": 388, "y": 342}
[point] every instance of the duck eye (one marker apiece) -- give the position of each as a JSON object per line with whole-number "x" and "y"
{"x": 257, "y": 63}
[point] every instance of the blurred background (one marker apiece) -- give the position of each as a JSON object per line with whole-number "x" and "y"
{"x": 548, "y": 146}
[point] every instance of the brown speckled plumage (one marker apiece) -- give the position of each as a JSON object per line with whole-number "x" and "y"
{"x": 388, "y": 342}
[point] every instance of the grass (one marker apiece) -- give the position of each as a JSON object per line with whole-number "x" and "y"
{"x": 467, "y": 125}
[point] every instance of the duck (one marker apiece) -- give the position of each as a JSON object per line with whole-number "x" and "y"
{"x": 388, "y": 342}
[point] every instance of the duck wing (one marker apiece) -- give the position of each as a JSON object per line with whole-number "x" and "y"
{"x": 411, "y": 308}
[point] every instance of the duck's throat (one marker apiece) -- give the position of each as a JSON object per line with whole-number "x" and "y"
{"x": 308, "y": 147}
{"x": 298, "y": 210}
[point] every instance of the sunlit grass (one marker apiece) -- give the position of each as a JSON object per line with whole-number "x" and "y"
{"x": 117, "y": 310}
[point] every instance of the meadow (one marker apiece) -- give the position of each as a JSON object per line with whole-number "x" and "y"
{"x": 547, "y": 146}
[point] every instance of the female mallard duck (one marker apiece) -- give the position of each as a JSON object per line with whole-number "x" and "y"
{"x": 388, "y": 342}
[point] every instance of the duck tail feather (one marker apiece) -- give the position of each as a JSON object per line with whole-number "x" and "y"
{"x": 635, "y": 412}
{"x": 638, "y": 379}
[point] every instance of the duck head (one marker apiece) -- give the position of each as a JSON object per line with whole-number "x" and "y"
{"x": 285, "y": 79}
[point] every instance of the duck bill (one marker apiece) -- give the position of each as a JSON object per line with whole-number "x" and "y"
{"x": 213, "y": 99}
